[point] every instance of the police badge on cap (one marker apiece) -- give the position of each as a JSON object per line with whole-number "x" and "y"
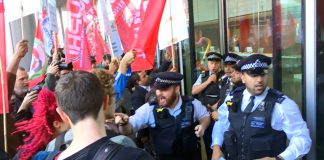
{"x": 164, "y": 80}
{"x": 213, "y": 56}
{"x": 231, "y": 58}
{"x": 255, "y": 64}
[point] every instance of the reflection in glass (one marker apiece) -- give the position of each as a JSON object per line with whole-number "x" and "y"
{"x": 249, "y": 26}
{"x": 206, "y": 29}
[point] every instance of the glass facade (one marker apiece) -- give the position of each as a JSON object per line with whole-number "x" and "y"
{"x": 288, "y": 47}
{"x": 206, "y": 31}
{"x": 320, "y": 78}
{"x": 250, "y": 30}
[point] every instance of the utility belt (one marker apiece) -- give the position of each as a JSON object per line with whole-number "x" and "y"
{"x": 231, "y": 147}
{"x": 257, "y": 147}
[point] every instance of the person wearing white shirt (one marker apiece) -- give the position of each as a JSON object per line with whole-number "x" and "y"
{"x": 255, "y": 121}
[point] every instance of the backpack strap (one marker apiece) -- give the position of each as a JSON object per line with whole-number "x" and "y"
{"x": 107, "y": 151}
{"x": 52, "y": 155}
{"x": 59, "y": 141}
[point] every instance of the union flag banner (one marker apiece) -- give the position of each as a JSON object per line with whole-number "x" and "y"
{"x": 96, "y": 45}
{"x": 43, "y": 44}
{"x": 39, "y": 59}
{"x": 3, "y": 73}
{"x": 138, "y": 26}
{"x": 83, "y": 38}
{"x": 173, "y": 27}
{"x": 76, "y": 46}
{"x": 109, "y": 28}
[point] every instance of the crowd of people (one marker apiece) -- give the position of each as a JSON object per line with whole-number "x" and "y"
{"x": 82, "y": 114}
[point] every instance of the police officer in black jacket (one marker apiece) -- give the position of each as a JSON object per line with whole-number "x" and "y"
{"x": 227, "y": 85}
{"x": 255, "y": 121}
{"x": 176, "y": 122}
{"x": 207, "y": 87}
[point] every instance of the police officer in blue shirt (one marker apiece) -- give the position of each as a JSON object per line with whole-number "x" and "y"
{"x": 176, "y": 122}
{"x": 255, "y": 121}
{"x": 229, "y": 60}
{"x": 207, "y": 89}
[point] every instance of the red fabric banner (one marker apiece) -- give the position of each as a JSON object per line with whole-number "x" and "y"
{"x": 76, "y": 46}
{"x": 82, "y": 35}
{"x": 138, "y": 27}
{"x": 96, "y": 45}
{"x": 3, "y": 73}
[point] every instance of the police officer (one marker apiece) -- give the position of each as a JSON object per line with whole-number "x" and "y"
{"x": 207, "y": 87}
{"x": 175, "y": 121}
{"x": 226, "y": 85}
{"x": 255, "y": 122}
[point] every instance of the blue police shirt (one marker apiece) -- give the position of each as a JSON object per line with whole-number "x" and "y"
{"x": 144, "y": 117}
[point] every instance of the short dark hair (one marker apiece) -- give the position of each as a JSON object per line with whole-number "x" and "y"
{"x": 79, "y": 94}
{"x": 132, "y": 81}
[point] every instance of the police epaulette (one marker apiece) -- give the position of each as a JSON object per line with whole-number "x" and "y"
{"x": 152, "y": 103}
{"x": 280, "y": 100}
{"x": 238, "y": 89}
{"x": 279, "y": 94}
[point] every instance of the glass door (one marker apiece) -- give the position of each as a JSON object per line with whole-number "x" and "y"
{"x": 206, "y": 31}
{"x": 320, "y": 78}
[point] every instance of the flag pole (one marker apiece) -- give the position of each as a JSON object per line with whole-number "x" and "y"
{"x": 110, "y": 47}
{"x": 4, "y": 108}
{"x": 172, "y": 48}
{"x": 21, "y": 19}
{"x": 55, "y": 55}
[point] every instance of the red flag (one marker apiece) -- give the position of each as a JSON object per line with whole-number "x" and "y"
{"x": 39, "y": 59}
{"x": 76, "y": 46}
{"x": 3, "y": 73}
{"x": 96, "y": 45}
{"x": 138, "y": 27}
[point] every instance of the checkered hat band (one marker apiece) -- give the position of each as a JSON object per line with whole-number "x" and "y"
{"x": 256, "y": 64}
{"x": 159, "y": 80}
{"x": 213, "y": 56}
{"x": 230, "y": 59}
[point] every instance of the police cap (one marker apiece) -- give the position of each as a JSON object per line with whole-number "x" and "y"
{"x": 256, "y": 64}
{"x": 213, "y": 56}
{"x": 164, "y": 80}
{"x": 231, "y": 58}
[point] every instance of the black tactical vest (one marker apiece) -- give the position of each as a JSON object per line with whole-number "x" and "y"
{"x": 210, "y": 95}
{"x": 174, "y": 137}
{"x": 250, "y": 135}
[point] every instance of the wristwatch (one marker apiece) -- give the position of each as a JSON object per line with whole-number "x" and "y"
{"x": 279, "y": 158}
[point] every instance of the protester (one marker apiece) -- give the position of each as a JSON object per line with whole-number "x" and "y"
{"x": 45, "y": 125}
{"x": 80, "y": 96}
{"x": 21, "y": 49}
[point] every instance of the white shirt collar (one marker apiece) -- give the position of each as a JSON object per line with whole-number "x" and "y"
{"x": 258, "y": 99}
{"x": 148, "y": 88}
